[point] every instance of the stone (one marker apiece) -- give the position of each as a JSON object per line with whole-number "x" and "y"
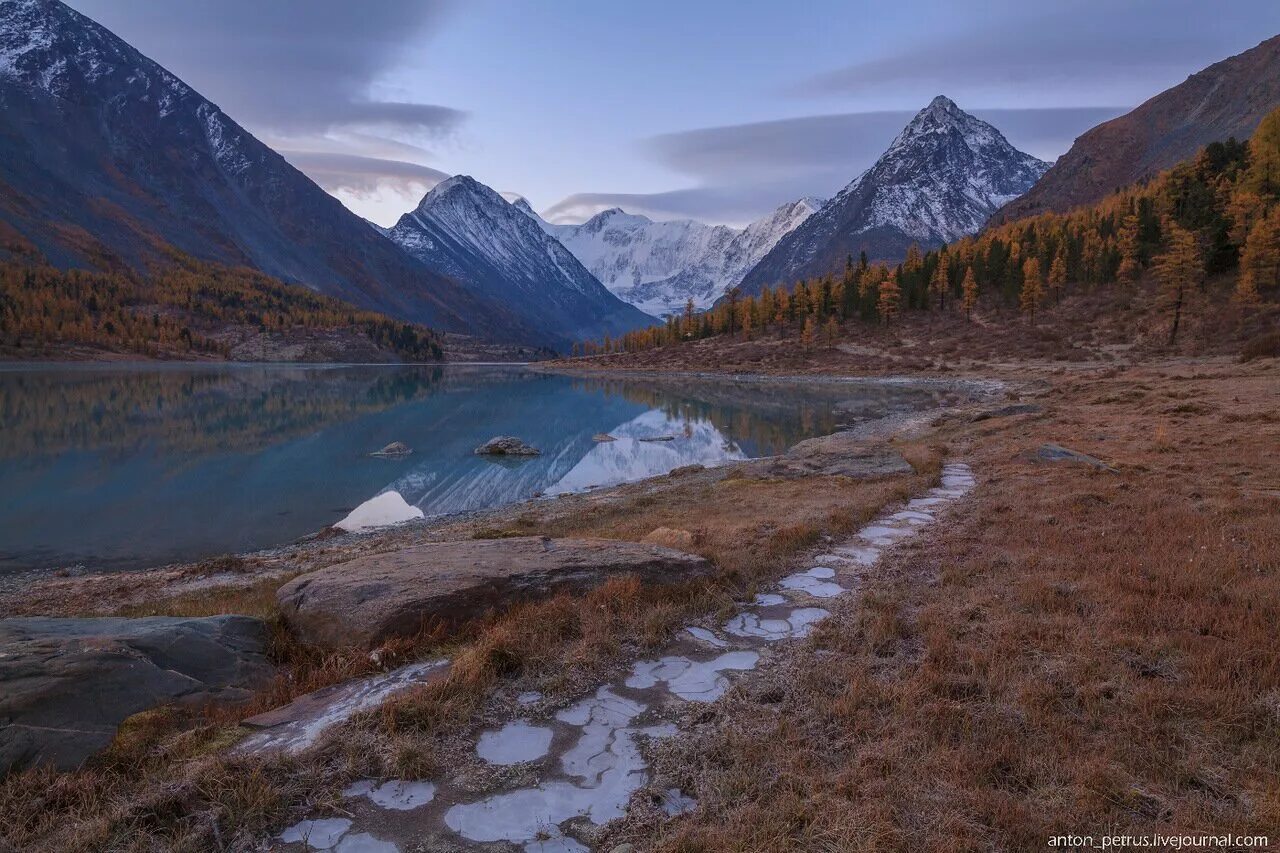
{"x": 395, "y": 448}
{"x": 670, "y": 537}
{"x": 1058, "y": 453}
{"x": 842, "y": 454}
{"x": 603, "y": 436}
{"x": 506, "y": 445}
{"x": 657, "y": 438}
{"x": 66, "y": 684}
{"x": 369, "y": 599}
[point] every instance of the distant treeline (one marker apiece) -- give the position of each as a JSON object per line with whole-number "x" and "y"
{"x": 1215, "y": 214}
{"x": 177, "y": 311}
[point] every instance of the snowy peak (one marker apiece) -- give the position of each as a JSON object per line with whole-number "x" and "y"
{"x": 942, "y": 177}
{"x": 522, "y": 204}
{"x": 467, "y": 231}
{"x": 660, "y": 266}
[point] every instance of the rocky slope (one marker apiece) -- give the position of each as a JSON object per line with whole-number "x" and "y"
{"x": 1226, "y": 99}
{"x": 106, "y": 158}
{"x": 470, "y": 233}
{"x": 659, "y": 266}
{"x": 941, "y": 179}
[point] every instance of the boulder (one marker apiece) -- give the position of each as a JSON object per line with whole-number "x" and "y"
{"x": 841, "y": 454}
{"x": 670, "y": 537}
{"x": 1058, "y": 453}
{"x": 602, "y": 436}
{"x": 67, "y": 684}
{"x": 506, "y": 445}
{"x": 395, "y": 448}
{"x": 1007, "y": 411}
{"x": 369, "y": 599}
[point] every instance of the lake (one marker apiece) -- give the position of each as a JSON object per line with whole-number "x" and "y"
{"x": 128, "y": 466}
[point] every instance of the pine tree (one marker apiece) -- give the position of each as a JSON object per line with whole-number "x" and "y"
{"x": 1180, "y": 270}
{"x": 890, "y": 297}
{"x": 1032, "y": 293}
{"x": 687, "y": 325}
{"x": 970, "y": 292}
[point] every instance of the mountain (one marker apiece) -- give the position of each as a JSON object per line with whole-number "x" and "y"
{"x": 1224, "y": 100}
{"x": 941, "y": 179}
{"x": 107, "y": 159}
{"x": 467, "y": 231}
{"x": 659, "y": 266}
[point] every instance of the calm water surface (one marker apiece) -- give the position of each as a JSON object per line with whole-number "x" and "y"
{"x": 127, "y": 466}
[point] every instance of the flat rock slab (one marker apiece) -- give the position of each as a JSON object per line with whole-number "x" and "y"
{"x": 842, "y": 454}
{"x": 370, "y": 599}
{"x": 1058, "y": 453}
{"x": 1007, "y": 411}
{"x": 67, "y": 684}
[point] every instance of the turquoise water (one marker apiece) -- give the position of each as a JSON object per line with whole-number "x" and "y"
{"x": 126, "y": 466}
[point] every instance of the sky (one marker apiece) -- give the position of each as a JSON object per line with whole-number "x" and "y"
{"x": 703, "y": 109}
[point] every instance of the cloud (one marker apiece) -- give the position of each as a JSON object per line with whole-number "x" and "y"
{"x": 1078, "y": 52}
{"x": 741, "y": 172}
{"x": 362, "y": 176}
{"x": 301, "y": 75}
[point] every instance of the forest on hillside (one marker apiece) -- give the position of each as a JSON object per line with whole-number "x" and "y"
{"x": 182, "y": 311}
{"x": 1215, "y": 216}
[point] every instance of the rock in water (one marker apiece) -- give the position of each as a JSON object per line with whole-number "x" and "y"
{"x": 395, "y": 448}
{"x": 67, "y": 684}
{"x": 506, "y": 445}
{"x": 369, "y": 599}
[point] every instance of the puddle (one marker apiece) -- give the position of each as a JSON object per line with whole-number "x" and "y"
{"x": 816, "y": 582}
{"x": 693, "y": 681}
{"x": 706, "y": 636}
{"x": 514, "y": 743}
{"x": 319, "y": 834}
{"x": 795, "y": 625}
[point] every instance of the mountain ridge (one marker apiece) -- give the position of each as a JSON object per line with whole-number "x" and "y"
{"x": 942, "y": 177}
{"x": 466, "y": 230}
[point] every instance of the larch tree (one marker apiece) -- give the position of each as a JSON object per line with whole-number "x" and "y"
{"x": 890, "y": 297}
{"x": 939, "y": 283}
{"x": 1058, "y": 277}
{"x": 1130, "y": 262}
{"x": 809, "y": 334}
{"x": 1032, "y": 294}
{"x": 1180, "y": 271}
{"x": 1260, "y": 259}
{"x": 969, "y": 292}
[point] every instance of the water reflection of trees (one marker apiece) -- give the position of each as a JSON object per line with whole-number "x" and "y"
{"x": 768, "y": 417}
{"x": 44, "y": 412}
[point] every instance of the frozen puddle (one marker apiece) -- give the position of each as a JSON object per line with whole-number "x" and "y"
{"x": 816, "y": 582}
{"x": 514, "y": 743}
{"x": 793, "y": 626}
{"x": 692, "y": 681}
{"x": 589, "y": 754}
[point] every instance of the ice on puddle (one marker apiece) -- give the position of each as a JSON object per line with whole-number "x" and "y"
{"x": 769, "y": 599}
{"x": 693, "y": 681}
{"x": 706, "y": 636}
{"x": 402, "y": 794}
{"x": 529, "y": 697}
{"x": 676, "y": 802}
{"x": 320, "y": 834}
{"x": 363, "y": 842}
{"x": 813, "y": 582}
{"x": 514, "y": 743}
{"x": 796, "y": 624}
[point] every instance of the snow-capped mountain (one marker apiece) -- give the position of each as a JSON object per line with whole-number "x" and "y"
{"x": 106, "y": 157}
{"x": 659, "y": 266}
{"x": 466, "y": 231}
{"x": 941, "y": 179}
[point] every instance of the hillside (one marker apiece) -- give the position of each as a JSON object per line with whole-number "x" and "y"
{"x": 1228, "y": 99}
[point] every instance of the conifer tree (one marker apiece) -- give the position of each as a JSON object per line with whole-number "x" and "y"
{"x": 890, "y": 297}
{"x": 970, "y": 292}
{"x": 1180, "y": 270}
{"x": 1260, "y": 260}
{"x": 1058, "y": 276}
{"x": 1032, "y": 293}
{"x": 940, "y": 282}
{"x": 810, "y": 332}
{"x": 831, "y": 330}
{"x": 1130, "y": 263}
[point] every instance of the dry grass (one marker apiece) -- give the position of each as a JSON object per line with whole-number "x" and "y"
{"x": 167, "y": 784}
{"x": 1070, "y": 651}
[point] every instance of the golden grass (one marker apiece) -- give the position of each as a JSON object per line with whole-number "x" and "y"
{"x": 1069, "y": 651}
